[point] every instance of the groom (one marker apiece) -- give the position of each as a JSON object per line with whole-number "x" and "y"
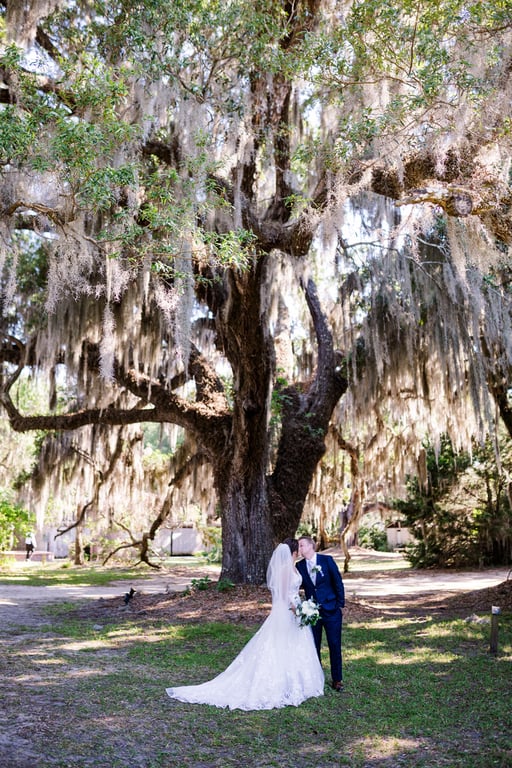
{"x": 321, "y": 580}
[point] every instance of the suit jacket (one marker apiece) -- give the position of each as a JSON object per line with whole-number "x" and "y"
{"x": 329, "y": 591}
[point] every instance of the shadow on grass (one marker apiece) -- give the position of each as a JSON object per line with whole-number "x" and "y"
{"x": 419, "y": 694}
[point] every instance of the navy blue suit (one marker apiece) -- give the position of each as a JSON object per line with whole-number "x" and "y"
{"x": 329, "y": 593}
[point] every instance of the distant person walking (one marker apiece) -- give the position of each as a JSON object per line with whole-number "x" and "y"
{"x": 30, "y": 545}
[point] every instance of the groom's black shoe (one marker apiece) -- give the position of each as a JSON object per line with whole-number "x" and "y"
{"x": 338, "y": 686}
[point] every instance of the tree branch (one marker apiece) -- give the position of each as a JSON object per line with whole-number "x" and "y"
{"x": 328, "y": 375}
{"x": 208, "y": 417}
{"x": 454, "y": 201}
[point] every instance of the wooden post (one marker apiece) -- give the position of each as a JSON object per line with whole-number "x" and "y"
{"x": 495, "y": 612}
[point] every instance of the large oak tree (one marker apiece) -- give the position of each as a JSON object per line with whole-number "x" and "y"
{"x": 176, "y": 176}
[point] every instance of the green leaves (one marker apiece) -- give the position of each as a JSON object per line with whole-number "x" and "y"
{"x": 13, "y": 520}
{"x": 233, "y": 248}
{"x": 17, "y": 134}
{"x": 101, "y": 188}
{"x": 404, "y": 68}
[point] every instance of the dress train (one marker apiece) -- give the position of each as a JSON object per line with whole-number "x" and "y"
{"x": 278, "y": 667}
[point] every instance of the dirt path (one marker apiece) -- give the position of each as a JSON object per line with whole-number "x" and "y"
{"x": 384, "y": 587}
{"x": 380, "y": 589}
{"x": 22, "y": 604}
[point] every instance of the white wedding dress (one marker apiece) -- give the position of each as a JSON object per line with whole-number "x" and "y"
{"x": 279, "y": 666}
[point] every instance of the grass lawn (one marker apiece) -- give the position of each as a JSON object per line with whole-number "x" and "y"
{"x": 63, "y": 572}
{"x": 420, "y": 693}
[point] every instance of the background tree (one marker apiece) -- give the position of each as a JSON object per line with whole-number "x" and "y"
{"x": 15, "y": 522}
{"x": 176, "y": 175}
{"x": 461, "y": 513}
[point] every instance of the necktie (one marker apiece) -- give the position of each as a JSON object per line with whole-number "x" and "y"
{"x": 312, "y": 573}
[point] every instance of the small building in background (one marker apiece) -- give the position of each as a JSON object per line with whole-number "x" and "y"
{"x": 398, "y": 535}
{"x": 179, "y": 541}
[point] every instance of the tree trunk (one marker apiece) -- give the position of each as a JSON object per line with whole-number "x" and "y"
{"x": 79, "y": 559}
{"x": 305, "y": 422}
{"x": 354, "y": 512}
{"x": 323, "y": 541}
{"x": 258, "y": 511}
{"x": 247, "y": 537}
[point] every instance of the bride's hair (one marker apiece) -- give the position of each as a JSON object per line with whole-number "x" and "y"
{"x": 281, "y": 574}
{"x": 293, "y": 544}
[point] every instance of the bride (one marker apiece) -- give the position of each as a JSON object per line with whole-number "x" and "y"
{"x": 279, "y": 666}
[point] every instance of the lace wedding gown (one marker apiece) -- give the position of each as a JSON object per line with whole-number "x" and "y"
{"x": 279, "y": 666}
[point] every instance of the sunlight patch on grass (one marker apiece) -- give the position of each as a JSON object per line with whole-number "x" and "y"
{"x": 385, "y": 748}
{"x": 150, "y": 635}
{"x": 416, "y": 656}
{"x": 381, "y": 623}
{"x": 415, "y": 697}
{"x": 127, "y": 631}
{"x": 38, "y": 656}
{"x": 88, "y": 645}
{"x": 381, "y": 655}
{"x": 33, "y": 680}
{"x": 54, "y": 661}
{"x": 356, "y": 567}
{"x": 441, "y": 631}
{"x": 38, "y": 671}
{"x": 67, "y": 574}
{"x": 18, "y": 579}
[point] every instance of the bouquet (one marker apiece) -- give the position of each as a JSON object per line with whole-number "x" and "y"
{"x": 307, "y": 612}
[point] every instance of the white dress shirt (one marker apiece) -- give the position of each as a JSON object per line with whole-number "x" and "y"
{"x": 311, "y": 565}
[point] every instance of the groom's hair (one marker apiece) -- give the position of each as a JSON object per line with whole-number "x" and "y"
{"x": 308, "y": 538}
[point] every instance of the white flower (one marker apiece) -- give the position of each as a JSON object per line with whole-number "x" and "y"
{"x": 317, "y": 569}
{"x": 307, "y": 612}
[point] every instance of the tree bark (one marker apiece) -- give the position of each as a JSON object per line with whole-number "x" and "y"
{"x": 305, "y": 422}
{"x": 259, "y": 504}
{"x": 257, "y": 509}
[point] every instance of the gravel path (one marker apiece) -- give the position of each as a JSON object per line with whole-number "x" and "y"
{"x": 420, "y": 582}
{"x": 22, "y": 604}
